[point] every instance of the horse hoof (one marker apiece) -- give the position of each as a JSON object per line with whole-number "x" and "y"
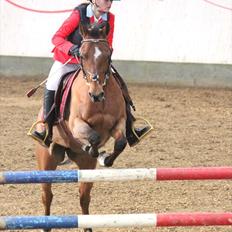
{"x": 93, "y": 152}
{"x": 102, "y": 158}
{"x": 86, "y": 148}
{"x": 108, "y": 162}
{"x": 64, "y": 162}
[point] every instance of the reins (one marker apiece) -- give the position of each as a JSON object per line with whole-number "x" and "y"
{"x": 95, "y": 41}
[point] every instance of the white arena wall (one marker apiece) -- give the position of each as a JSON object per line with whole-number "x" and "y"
{"x": 169, "y": 41}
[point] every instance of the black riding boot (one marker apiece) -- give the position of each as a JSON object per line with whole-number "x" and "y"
{"x": 49, "y": 118}
{"x": 133, "y": 137}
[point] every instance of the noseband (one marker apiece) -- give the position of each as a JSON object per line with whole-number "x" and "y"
{"x": 95, "y": 77}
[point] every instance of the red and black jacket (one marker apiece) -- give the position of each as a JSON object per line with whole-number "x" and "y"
{"x": 68, "y": 34}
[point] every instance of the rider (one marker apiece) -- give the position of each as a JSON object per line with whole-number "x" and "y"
{"x": 67, "y": 41}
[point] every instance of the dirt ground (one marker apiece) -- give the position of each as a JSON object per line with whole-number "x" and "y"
{"x": 193, "y": 127}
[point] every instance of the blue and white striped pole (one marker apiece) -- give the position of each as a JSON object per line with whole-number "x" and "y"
{"x": 80, "y": 221}
{"x": 153, "y": 174}
{"x": 20, "y": 177}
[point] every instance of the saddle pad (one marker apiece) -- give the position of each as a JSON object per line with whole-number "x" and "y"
{"x": 63, "y": 92}
{"x": 66, "y": 92}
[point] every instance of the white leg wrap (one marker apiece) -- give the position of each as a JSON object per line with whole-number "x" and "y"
{"x": 101, "y": 158}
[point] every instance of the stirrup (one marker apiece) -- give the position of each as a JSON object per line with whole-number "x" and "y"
{"x": 32, "y": 134}
{"x": 150, "y": 128}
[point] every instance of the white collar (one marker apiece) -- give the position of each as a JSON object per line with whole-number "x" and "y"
{"x": 89, "y": 14}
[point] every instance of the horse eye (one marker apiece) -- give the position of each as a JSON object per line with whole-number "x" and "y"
{"x": 81, "y": 56}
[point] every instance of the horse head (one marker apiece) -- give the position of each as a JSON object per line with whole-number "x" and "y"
{"x": 95, "y": 58}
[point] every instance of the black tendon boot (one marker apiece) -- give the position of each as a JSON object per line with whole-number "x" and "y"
{"x": 134, "y": 135}
{"x": 45, "y": 137}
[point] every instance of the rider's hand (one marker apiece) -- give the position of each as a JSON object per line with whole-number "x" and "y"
{"x": 74, "y": 51}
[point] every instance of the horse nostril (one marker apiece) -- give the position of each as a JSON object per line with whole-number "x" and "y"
{"x": 101, "y": 95}
{"x": 93, "y": 97}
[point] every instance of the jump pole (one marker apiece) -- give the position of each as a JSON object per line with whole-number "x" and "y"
{"x": 116, "y": 220}
{"x": 99, "y": 175}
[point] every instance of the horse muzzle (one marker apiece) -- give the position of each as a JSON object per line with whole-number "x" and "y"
{"x": 97, "y": 97}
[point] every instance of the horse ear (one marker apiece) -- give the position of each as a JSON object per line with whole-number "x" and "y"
{"x": 104, "y": 27}
{"x": 84, "y": 29}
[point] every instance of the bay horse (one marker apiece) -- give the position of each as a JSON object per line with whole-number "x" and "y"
{"x": 96, "y": 112}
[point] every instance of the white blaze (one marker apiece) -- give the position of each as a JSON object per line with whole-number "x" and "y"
{"x": 97, "y": 53}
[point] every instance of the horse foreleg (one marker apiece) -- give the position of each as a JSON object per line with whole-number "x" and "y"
{"x": 83, "y": 132}
{"x": 119, "y": 145}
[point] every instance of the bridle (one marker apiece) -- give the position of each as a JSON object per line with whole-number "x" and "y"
{"x": 94, "y": 76}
